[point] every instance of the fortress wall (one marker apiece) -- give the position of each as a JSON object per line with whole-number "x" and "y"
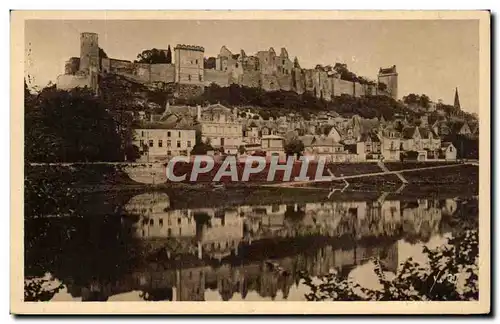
{"x": 359, "y": 89}
{"x": 285, "y": 82}
{"x": 298, "y": 80}
{"x": 105, "y": 65}
{"x": 250, "y": 79}
{"x": 69, "y": 81}
{"x": 121, "y": 67}
{"x": 220, "y": 78}
{"x": 162, "y": 73}
{"x": 142, "y": 72}
{"x": 342, "y": 87}
{"x": 309, "y": 80}
{"x": 370, "y": 90}
{"x": 328, "y": 86}
{"x": 270, "y": 82}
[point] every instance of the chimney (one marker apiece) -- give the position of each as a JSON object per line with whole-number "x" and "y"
{"x": 198, "y": 112}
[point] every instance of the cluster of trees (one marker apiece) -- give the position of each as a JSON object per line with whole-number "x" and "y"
{"x": 279, "y": 103}
{"x": 71, "y": 126}
{"x": 155, "y": 56}
{"x": 415, "y": 99}
{"x": 347, "y": 75}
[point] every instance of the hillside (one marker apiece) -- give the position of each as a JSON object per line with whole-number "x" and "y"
{"x": 119, "y": 93}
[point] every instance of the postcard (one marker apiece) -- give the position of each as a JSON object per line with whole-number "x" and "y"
{"x": 241, "y": 162}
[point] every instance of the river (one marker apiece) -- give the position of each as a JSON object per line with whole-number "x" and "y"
{"x": 148, "y": 246}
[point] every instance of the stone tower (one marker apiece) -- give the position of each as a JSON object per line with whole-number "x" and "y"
{"x": 89, "y": 52}
{"x": 189, "y": 64}
{"x": 389, "y": 77}
{"x": 89, "y": 59}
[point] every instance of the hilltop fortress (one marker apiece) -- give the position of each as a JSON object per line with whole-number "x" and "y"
{"x": 190, "y": 72}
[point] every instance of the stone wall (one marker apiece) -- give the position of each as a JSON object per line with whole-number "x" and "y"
{"x": 220, "y": 78}
{"x": 285, "y": 82}
{"x": 270, "y": 82}
{"x": 250, "y": 79}
{"x": 69, "y": 81}
{"x": 298, "y": 81}
{"x": 162, "y": 73}
{"x": 341, "y": 87}
{"x": 359, "y": 89}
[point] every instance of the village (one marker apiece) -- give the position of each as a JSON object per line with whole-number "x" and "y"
{"x": 219, "y": 130}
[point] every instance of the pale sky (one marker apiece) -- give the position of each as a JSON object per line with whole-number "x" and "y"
{"x": 432, "y": 56}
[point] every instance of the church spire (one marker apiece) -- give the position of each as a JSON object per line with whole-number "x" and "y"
{"x": 456, "y": 103}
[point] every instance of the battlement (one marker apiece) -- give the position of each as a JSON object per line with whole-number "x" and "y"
{"x": 385, "y": 71}
{"x": 190, "y": 47}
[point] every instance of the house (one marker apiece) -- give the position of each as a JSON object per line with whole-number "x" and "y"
{"x": 372, "y": 146}
{"x": 251, "y": 133}
{"x": 221, "y": 128}
{"x": 422, "y": 140}
{"x": 448, "y": 151}
{"x": 390, "y": 143}
{"x": 460, "y": 128}
{"x": 160, "y": 141}
{"x": 273, "y": 145}
{"x": 325, "y": 147}
{"x": 330, "y": 131}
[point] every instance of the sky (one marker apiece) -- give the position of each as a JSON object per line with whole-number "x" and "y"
{"x": 432, "y": 57}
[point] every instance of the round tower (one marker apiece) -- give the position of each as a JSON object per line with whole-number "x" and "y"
{"x": 89, "y": 52}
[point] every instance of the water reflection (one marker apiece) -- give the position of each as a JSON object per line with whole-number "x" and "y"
{"x": 151, "y": 251}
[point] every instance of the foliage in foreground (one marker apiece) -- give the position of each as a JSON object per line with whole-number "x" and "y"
{"x": 450, "y": 275}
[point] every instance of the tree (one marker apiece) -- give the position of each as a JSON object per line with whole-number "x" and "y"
{"x": 424, "y": 101}
{"x": 169, "y": 55}
{"x": 70, "y": 126}
{"x": 294, "y": 147}
{"x": 132, "y": 153}
{"x": 152, "y": 56}
{"x": 382, "y": 86}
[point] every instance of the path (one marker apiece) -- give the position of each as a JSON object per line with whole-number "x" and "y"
{"x": 373, "y": 174}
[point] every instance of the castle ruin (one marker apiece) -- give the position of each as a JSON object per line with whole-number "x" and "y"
{"x": 191, "y": 72}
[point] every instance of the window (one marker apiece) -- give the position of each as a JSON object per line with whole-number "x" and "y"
{"x": 142, "y": 133}
{"x": 179, "y": 134}
{"x": 169, "y": 152}
{"x": 451, "y": 149}
{"x": 150, "y": 143}
{"x": 160, "y": 143}
{"x": 196, "y": 61}
{"x": 168, "y": 134}
{"x": 236, "y": 65}
{"x": 188, "y": 143}
{"x": 189, "y": 77}
{"x": 141, "y": 143}
{"x": 169, "y": 143}
{"x": 151, "y": 222}
{"x": 161, "y": 222}
{"x": 200, "y": 78}
{"x": 178, "y": 144}
{"x": 179, "y": 220}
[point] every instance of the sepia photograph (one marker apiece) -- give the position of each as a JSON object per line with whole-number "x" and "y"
{"x": 250, "y": 160}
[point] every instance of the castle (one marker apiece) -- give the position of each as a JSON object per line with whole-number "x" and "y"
{"x": 191, "y": 72}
